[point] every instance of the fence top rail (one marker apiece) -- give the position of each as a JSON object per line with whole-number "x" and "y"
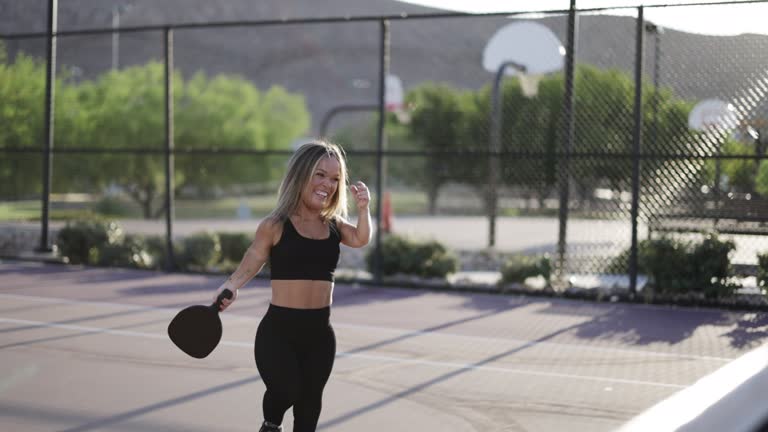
{"x": 348, "y": 18}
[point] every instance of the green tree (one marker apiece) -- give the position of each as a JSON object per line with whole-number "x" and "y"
{"x": 228, "y": 112}
{"x": 532, "y": 131}
{"x": 530, "y": 137}
{"x": 761, "y": 182}
{"x": 740, "y": 174}
{"x": 361, "y": 137}
{"x": 22, "y": 116}
{"x": 438, "y": 124}
{"x": 126, "y": 111}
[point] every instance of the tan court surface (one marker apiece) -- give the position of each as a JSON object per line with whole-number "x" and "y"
{"x": 85, "y": 349}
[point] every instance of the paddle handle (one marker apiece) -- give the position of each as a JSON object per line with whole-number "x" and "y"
{"x": 226, "y": 294}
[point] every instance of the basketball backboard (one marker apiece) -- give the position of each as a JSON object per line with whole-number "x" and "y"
{"x": 528, "y": 43}
{"x": 394, "y": 98}
{"x": 393, "y": 95}
{"x": 713, "y": 114}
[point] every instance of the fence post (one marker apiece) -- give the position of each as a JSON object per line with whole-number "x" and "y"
{"x": 50, "y": 98}
{"x": 636, "y": 145}
{"x": 380, "y": 141}
{"x": 169, "y": 161}
{"x": 569, "y": 124}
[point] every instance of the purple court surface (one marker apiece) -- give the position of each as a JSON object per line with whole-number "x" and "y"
{"x": 85, "y": 349}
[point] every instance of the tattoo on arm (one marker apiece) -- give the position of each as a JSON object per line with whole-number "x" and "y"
{"x": 240, "y": 276}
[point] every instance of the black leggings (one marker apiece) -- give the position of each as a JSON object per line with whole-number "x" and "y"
{"x": 294, "y": 351}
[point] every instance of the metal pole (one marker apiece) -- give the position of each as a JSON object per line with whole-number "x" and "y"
{"x": 171, "y": 261}
{"x": 115, "y": 36}
{"x": 656, "y": 71}
{"x": 50, "y": 99}
{"x": 569, "y": 123}
{"x": 656, "y": 31}
{"x": 342, "y": 108}
{"x": 495, "y": 147}
{"x": 637, "y": 142}
{"x": 381, "y": 140}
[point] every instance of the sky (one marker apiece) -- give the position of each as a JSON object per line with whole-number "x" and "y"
{"x": 721, "y": 20}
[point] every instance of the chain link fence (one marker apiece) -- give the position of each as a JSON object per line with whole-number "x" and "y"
{"x": 245, "y": 94}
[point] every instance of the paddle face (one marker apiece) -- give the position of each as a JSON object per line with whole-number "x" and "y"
{"x": 196, "y": 330}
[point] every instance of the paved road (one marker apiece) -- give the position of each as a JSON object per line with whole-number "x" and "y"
{"x": 84, "y": 349}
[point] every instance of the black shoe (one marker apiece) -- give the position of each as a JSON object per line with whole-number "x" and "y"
{"x": 270, "y": 427}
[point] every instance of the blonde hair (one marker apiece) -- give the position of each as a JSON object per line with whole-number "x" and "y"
{"x": 301, "y": 167}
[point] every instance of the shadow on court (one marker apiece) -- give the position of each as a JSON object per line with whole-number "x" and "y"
{"x": 121, "y": 417}
{"x": 439, "y": 379}
{"x": 421, "y": 332}
{"x": 749, "y": 333}
{"x": 635, "y": 325}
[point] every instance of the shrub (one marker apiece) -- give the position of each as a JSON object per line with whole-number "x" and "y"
{"x": 155, "y": 247}
{"x": 762, "y": 269}
{"x": 666, "y": 262}
{"x": 678, "y": 267}
{"x": 200, "y": 251}
{"x": 131, "y": 252}
{"x": 402, "y": 255}
{"x": 712, "y": 267}
{"x": 233, "y": 246}
{"x": 78, "y": 241}
{"x": 518, "y": 268}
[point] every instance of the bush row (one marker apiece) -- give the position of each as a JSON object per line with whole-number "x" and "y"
{"x": 401, "y": 255}
{"x": 96, "y": 241}
{"x": 673, "y": 266}
{"x": 100, "y": 242}
{"x": 676, "y": 266}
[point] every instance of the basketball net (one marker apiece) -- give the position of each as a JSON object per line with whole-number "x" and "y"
{"x": 400, "y": 111}
{"x": 529, "y": 84}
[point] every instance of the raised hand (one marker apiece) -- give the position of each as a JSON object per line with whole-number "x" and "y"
{"x": 361, "y": 194}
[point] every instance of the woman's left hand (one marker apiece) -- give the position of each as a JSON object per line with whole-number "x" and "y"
{"x": 361, "y": 194}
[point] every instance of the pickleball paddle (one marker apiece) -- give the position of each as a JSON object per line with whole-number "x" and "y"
{"x": 196, "y": 330}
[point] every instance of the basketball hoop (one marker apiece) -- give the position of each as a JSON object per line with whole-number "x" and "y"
{"x": 401, "y": 113}
{"x": 394, "y": 99}
{"x": 527, "y": 50}
{"x": 713, "y": 115}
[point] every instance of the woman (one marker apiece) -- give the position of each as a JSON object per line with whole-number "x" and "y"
{"x": 295, "y": 343}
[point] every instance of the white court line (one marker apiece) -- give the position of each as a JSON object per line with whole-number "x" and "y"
{"x": 57, "y": 300}
{"x": 389, "y": 359}
{"x": 398, "y": 331}
{"x": 138, "y": 308}
{"x": 725, "y": 400}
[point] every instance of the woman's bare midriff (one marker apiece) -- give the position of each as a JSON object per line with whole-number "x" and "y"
{"x": 302, "y": 294}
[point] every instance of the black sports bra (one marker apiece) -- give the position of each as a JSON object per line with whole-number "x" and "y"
{"x": 295, "y": 257}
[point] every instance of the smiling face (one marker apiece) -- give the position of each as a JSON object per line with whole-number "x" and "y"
{"x": 323, "y": 184}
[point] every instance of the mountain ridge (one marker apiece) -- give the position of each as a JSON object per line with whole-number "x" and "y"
{"x": 333, "y": 64}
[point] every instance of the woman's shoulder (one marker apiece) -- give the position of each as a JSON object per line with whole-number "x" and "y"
{"x": 271, "y": 225}
{"x": 270, "y": 229}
